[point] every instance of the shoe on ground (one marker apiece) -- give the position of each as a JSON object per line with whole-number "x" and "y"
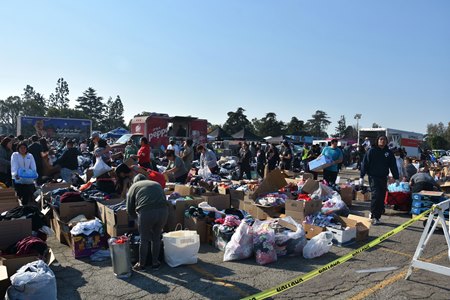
{"x": 137, "y": 267}
{"x": 376, "y": 221}
{"x": 156, "y": 267}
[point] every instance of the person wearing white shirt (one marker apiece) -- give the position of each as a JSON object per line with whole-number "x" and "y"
{"x": 208, "y": 159}
{"x": 22, "y": 163}
{"x": 173, "y": 146}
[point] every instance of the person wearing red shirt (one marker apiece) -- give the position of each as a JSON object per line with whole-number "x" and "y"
{"x": 143, "y": 155}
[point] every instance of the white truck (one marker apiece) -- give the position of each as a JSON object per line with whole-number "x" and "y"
{"x": 396, "y": 138}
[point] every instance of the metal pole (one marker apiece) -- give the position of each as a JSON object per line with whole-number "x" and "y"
{"x": 357, "y": 129}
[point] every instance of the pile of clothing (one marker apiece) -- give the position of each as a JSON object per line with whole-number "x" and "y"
{"x": 272, "y": 199}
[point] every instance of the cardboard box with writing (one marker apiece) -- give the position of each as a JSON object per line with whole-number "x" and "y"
{"x": 299, "y": 209}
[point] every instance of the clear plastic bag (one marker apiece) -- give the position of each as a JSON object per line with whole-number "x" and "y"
{"x": 241, "y": 244}
{"x": 264, "y": 242}
{"x": 335, "y": 205}
{"x": 318, "y": 245}
{"x": 33, "y": 281}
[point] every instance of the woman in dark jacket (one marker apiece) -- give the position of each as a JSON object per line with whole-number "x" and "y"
{"x": 5, "y": 161}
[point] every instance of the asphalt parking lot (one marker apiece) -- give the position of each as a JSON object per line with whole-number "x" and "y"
{"x": 211, "y": 278}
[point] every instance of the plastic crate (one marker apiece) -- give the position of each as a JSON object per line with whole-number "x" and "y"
{"x": 422, "y": 203}
{"x": 434, "y": 199}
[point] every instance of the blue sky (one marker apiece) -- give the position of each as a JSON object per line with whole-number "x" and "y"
{"x": 388, "y": 60}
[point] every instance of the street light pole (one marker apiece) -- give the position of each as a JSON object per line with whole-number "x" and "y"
{"x": 357, "y": 117}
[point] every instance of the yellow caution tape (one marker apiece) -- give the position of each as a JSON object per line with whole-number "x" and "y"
{"x": 298, "y": 280}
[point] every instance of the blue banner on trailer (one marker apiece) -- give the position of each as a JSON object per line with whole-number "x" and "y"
{"x": 54, "y": 127}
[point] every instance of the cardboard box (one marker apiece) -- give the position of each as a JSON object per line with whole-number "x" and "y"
{"x": 101, "y": 207}
{"x": 363, "y": 197}
{"x": 310, "y": 186}
{"x": 119, "y": 230}
{"x": 445, "y": 187}
{"x": 62, "y": 231}
{"x": 343, "y": 236}
{"x": 319, "y": 163}
{"x": 13, "y": 231}
{"x": 236, "y": 195}
{"x": 223, "y": 190}
{"x": 198, "y": 225}
{"x": 268, "y": 212}
{"x": 347, "y": 195}
{"x": 362, "y": 226}
{"x": 218, "y": 201}
{"x": 307, "y": 176}
{"x": 7, "y": 205}
{"x": 84, "y": 246}
{"x": 312, "y": 230}
{"x": 299, "y": 209}
{"x": 184, "y": 190}
{"x": 69, "y": 210}
{"x": 176, "y": 213}
{"x": 274, "y": 181}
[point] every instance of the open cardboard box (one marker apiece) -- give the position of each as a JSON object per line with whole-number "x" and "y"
{"x": 218, "y": 201}
{"x": 310, "y": 186}
{"x": 184, "y": 190}
{"x": 362, "y": 226}
{"x": 299, "y": 209}
{"x": 176, "y": 212}
{"x": 101, "y": 207}
{"x": 274, "y": 181}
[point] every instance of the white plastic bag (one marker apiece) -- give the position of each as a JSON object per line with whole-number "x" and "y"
{"x": 205, "y": 172}
{"x": 33, "y": 281}
{"x": 318, "y": 245}
{"x": 335, "y": 205}
{"x": 241, "y": 244}
{"x": 181, "y": 247}
{"x": 100, "y": 168}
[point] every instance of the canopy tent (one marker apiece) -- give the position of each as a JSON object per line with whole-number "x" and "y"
{"x": 219, "y": 134}
{"x": 247, "y": 135}
{"x": 115, "y": 133}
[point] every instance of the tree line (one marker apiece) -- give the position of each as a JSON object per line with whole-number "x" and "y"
{"x": 104, "y": 115}
{"x": 269, "y": 125}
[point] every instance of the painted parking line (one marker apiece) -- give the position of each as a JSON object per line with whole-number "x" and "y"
{"x": 396, "y": 252}
{"x": 216, "y": 280}
{"x": 388, "y": 281}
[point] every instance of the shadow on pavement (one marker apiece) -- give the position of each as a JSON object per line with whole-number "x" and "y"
{"x": 68, "y": 280}
{"x": 146, "y": 283}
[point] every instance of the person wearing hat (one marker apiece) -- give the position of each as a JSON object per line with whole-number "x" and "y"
{"x": 376, "y": 164}
{"x": 146, "y": 201}
{"x": 22, "y": 163}
{"x": 68, "y": 161}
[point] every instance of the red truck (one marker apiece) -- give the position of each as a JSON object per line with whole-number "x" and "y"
{"x": 159, "y": 128}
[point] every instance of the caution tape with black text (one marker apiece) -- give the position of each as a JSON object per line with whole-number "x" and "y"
{"x": 298, "y": 280}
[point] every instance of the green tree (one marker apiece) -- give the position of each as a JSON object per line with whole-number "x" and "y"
{"x": 237, "y": 121}
{"x": 340, "y": 129}
{"x": 54, "y": 112}
{"x": 93, "y": 107}
{"x": 59, "y": 99}
{"x": 295, "y": 127}
{"x": 10, "y": 109}
{"x": 114, "y": 114}
{"x": 33, "y": 104}
{"x": 438, "y": 136}
{"x": 319, "y": 124}
{"x": 269, "y": 125}
{"x": 350, "y": 133}
{"x": 375, "y": 125}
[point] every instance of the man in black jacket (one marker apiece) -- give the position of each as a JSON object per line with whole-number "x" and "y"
{"x": 376, "y": 164}
{"x": 68, "y": 161}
